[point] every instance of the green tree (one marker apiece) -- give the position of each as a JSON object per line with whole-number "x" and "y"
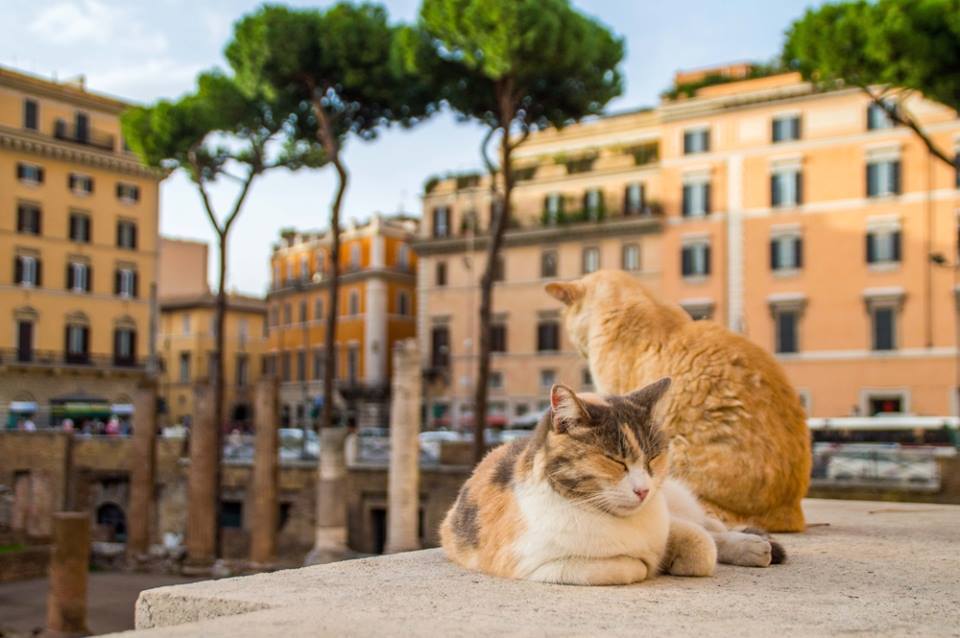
{"x": 514, "y": 66}
{"x": 215, "y": 132}
{"x": 341, "y": 64}
{"x": 888, "y": 48}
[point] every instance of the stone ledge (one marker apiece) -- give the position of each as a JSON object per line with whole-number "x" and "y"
{"x": 863, "y": 567}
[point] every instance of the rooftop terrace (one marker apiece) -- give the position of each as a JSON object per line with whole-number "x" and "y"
{"x": 862, "y": 568}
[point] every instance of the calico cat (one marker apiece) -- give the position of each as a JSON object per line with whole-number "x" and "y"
{"x": 738, "y": 429}
{"x": 587, "y": 500}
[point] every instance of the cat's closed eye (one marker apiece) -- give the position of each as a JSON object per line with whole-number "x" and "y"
{"x": 618, "y": 462}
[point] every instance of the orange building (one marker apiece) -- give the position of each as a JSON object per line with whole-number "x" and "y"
{"x": 377, "y": 306}
{"x": 78, "y": 239}
{"x": 800, "y": 217}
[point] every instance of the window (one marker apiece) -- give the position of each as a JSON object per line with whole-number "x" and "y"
{"x": 630, "y": 258}
{"x": 593, "y": 204}
{"x": 30, "y": 173}
{"x": 495, "y": 380}
{"x": 548, "y": 378}
{"x": 82, "y": 126}
{"x": 695, "y": 259}
{"x": 634, "y": 199}
{"x": 318, "y": 363}
{"x": 885, "y": 404}
{"x": 242, "y": 369}
{"x": 24, "y": 340}
{"x": 81, "y": 184}
{"x": 318, "y": 308}
{"x": 231, "y": 514}
{"x": 883, "y": 246}
{"x": 243, "y": 329}
{"x": 786, "y": 188}
{"x": 548, "y": 264}
{"x": 786, "y": 128}
{"x": 125, "y": 283}
{"x": 883, "y": 178}
{"x": 884, "y": 319}
{"x": 355, "y": 257}
{"x": 498, "y": 337}
{"x": 128, "y": 192}
{"x": 553, "y": 207}
{"x": 80, "y": 228}
{"x": 696, "y": 141}
{"x": 28, "y": 219}
{"x": 185, "y": 323}
{"x": 786, "y": 322}
{"x": 30, "y": 114}
{"x": 441, "y": 221}
{"x": 877, "y": 117}
{"x": 127, "y": 234}
{"x": 520, "y": 409}
{"x": 303, "y": 311}
{"x": 499, "y": 268}
{"x": 440, "y": 275}
{"x": 285, "y": 366}
{"x": 78, "y": 276}
{"x": 786, "y": 252}
{"x": 403, "y": 257}
{"x": 548, "y": 336}
{"x": 696, "y": 198}
{"x": 440, "y": 347}
{"x": 321, "y": 261}
{"x": 304, "y": 267}
{"x": 301, "y": 365}
{"x": 77, "y": 343}
{"x": 403, "y": 303}
{"x": 353, "y": 363}
{"x": 353, "y": 307}
{"x": 27, "y": 271}
{"x": 287, "y": 314}
{"x": 591, "y": 260}
{"x": 124, "y": 346}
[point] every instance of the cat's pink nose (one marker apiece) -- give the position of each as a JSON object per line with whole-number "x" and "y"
{"x": 641, "y": 493}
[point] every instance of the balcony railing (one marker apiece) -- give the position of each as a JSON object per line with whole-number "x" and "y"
{"x": 54, "y": 358}
{"x": 88, "y": 136}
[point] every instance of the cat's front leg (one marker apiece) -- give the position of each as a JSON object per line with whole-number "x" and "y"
{"x": 691, "y": 550}
{"x": 617, "y": 570}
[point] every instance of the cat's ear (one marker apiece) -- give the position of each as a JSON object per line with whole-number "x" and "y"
{"x": 567, "y": 410}
{"x": 566, "y": 291}
{"x": 650, "y": 394}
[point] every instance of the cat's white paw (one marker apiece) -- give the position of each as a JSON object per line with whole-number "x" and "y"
{"x": 747, "y": 550}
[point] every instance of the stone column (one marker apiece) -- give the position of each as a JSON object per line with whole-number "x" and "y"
{"x": 331, "y": 525}
{"x": 403, "y": 508}
{"x": 202, "y": 489}
{"x": 142, "y": 470}
{"x": 263, "y": 533}
{"x": 69, "y": 560}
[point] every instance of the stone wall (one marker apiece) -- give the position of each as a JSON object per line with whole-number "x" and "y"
{"x": 29, "y": 562}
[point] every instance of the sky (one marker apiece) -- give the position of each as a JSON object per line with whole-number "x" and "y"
{"x": 144, "y": 50}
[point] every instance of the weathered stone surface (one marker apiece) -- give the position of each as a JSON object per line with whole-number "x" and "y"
{"x": 69, "y": 562}
{"x": 862, "y": 568}
{"x": 263, "y": 532}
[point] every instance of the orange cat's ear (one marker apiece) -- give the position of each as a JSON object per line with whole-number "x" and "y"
{"x": 566, "y": 291}
{"x": 650, "y": 394}
{"x": 567, "y": 409}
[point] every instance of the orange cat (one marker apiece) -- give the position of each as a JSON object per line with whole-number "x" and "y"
{"x": 738, "y": 430}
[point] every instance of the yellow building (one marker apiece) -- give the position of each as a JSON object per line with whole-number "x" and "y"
{"x": 799, "y": 217}
{"x": 376, "y": 307}
{"x": 78, "y": 235}
{"x": 186, "y": 345}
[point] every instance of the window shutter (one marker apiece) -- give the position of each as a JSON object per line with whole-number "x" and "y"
{"x": 896, "y": 177}
{"x": 706, "y": 141}
{"x": 133, "y": 344}
{"x": 69, "y": 276}
{"x": 686, "y": 200}
{"x": 871, "y": 180}
{"x": 20, "y": 219}
{"x": 40, "y": 174}
{"x": 116, "y": 282}
{"x": 39, "y": 266}
{"x": 871, "y": 255}
{"x": 133, "y": 236}
{"x": 21, "y": 171}
{"x": 774, "y": 254}
{"x": 685, "y": 267}
{"x": 706, "y": 259}
{"x": 116, "y": 344}
{"x": 85, "y": 331}
{"x": 73, "y": 227}
{"x": 796, "y": 128}
{"x": 798, "y": 181}
{"x": 66, "y": 339}
{"x": 119, "y": 234}
{"x": 136, "y": 284}
{"x": 86, "y": 225}
{"x": 798, "y": 251}
{"x": 89, "y": 282}
{"x": 686, "y": 143}
{"x": 71, "y": 180}
{"x": 775, "y": 130}
{"x": 706, "y": 198}
{"x": 895, "y": 238}
{"x": 17, "y": 270}
{"x": 774, "y": 191}
{"x": 39, "y": 221}
{"x": 119, "y": 191}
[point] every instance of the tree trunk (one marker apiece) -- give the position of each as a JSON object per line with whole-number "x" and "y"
{"x": 501, "y": 214}
{"x": 220, "y": 320}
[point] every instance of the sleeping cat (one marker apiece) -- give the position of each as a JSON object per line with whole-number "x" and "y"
{"x": 587, "y": 500}
{"x": 741, "y": 440}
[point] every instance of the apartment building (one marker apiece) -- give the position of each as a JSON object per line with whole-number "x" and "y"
{"x": 78, "y": 235}
{"x": 377, "y": 299}
{"x": 186, "y": 339}
{"x": 800, "y": 217}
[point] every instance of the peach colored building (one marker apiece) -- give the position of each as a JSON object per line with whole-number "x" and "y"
{"x": 797, "y": 216}
{"x": 376, "y": 308}
{"x": 183, "y": 268}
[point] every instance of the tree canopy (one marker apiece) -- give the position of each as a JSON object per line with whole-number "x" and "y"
{"x": 894, "y": 44}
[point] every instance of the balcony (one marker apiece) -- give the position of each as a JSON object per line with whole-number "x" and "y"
{"x": 86, "y": 136}
{"x": 38, "y": 359}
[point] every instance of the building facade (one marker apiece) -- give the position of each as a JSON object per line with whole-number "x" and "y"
{"x": 800, "y": 217}
{"x": 376, "y": 308}
{"x": 78, "y": 235}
